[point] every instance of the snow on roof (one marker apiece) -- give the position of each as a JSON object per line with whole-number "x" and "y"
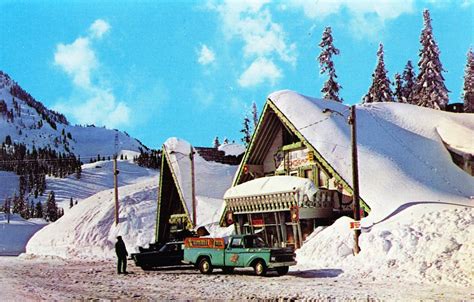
{"x": 272, "y": 185}
{"x": 232, "y": 149}
{"x": 401, "y": 156}
{"x": 212, "y": 179}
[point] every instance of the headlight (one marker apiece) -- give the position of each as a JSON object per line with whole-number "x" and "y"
{"x": 272, "y": 259}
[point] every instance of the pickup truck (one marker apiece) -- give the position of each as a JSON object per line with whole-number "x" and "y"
{"x": 241, "y": 251}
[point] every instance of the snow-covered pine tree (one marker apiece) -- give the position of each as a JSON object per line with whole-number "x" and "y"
{"x": 216, "y": 142}
{"x": 398, "y": 94}
{"x": 226, "y": 140}
{"x": 468, "y": 89}
{"x": 430, "y": 90}
{"x": 330, "y": 88}
{"x": 380, "y": 90}
{"x": 408, "y": 83}
{"x": 246, "y": 131}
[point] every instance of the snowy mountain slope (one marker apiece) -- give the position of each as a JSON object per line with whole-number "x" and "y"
{"x": 88, "y": 229}
{"x": 97, "y": 177}
{"x": 32, "y": 127}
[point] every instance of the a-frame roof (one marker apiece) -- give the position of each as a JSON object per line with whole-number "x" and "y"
{"x": 401, "y": 157}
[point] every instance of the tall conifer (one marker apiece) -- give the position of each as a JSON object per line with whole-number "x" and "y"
{"x": 380, "y": 90}
{"x": 430, "y": 90}
{"x": 331, "y": 88}
{"x": 468, "y": 89}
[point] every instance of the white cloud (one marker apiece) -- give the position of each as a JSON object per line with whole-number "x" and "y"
{"x": 96, "y": 106}
{"x": 99, "y": 28}
{"x": 205, "y": 55}
{"x": 252, "y": 22}
{"x": 264, "y": 41}
{"x": 260, "y": 71}
{"x": 77, "y": 60}
{"x": 91, "y": 103}
{"x": 366, "y": 17}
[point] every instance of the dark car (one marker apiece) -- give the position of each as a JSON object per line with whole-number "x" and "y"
{"x": 170, "y": 254}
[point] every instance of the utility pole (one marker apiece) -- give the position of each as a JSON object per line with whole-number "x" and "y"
{"x": 355, "y": 177}
{"x": 116, "y": 172}
{"x": 193, "y": 186}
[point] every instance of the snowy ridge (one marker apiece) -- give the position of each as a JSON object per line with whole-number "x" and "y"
{"x": 32, "y": 129}
{"x": 16, "y": 233}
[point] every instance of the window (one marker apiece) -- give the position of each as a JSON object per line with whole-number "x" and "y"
{"x": 237, "y": 243}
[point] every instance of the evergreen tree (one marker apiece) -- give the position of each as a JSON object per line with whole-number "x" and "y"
{"x": 254, "y": 115}
{"x": 398, "y": 93}
{"x": 246, "y": 131}
{"x": 216, "y": 143}
{"x": 51, "y": 207}
{"x": 39, "y": 210}
{"x": 468, "y": 89}
{"x": 71, "y": 203}
{"x": 226, "y": 140}
{"x": 430, "y": 90}
{"x": 380, "y": 90}
{"x": 330, "y": 88}
{"x": 408, "y": 83}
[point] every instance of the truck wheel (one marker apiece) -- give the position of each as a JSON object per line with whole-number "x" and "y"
{"x": 260, "y": 268}
{"x": 228, "y": 270}
{"x": 282, "y": 270}
{"x": 205, "y": 266}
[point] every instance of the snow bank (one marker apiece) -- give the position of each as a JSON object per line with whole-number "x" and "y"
{"x": 435, "y": 248}
{"x": 88, "y": 229}
{"x": 15, "y": 235}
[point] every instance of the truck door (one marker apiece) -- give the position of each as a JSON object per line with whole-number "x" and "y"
{"x": 235, "y": 252}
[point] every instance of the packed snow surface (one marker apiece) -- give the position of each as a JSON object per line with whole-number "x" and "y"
{"x": 212, "y": 179}
{"x": 402, "y": 158}
{"x": 15, "y": 233}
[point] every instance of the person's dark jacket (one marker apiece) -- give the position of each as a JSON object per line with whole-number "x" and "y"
{"x": 120, "y": 249}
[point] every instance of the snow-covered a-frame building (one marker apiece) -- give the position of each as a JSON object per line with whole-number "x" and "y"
{"x": 402, "y": 153}
{"x": 192, "y": 183}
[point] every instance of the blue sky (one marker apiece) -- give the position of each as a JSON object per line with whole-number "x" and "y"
{"x": 158, "y": 69}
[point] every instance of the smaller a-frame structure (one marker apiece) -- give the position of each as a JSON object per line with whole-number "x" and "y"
{"x": 192, "y": 183}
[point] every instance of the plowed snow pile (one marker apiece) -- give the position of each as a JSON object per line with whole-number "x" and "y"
{"x": 88, "y": 229}
{"x": 436, "y": 248}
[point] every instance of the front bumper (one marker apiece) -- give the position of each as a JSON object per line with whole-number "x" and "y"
{"x": 280, "y": 264}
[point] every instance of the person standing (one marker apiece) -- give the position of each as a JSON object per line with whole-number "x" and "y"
{"x": 122, "y": 254}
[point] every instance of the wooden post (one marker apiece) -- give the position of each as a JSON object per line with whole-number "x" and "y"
{"x": 355, "y": 177}
{"x": 116, "y": 191}
{"x": 193, "y": 186}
